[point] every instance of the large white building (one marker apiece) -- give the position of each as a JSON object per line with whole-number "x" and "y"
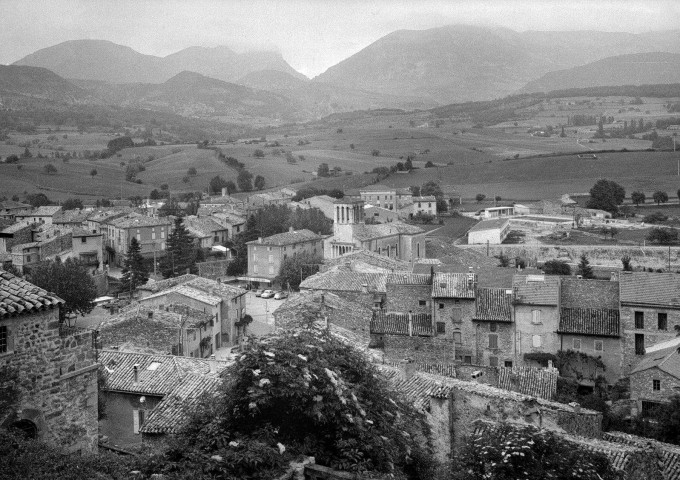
{"x": 489, "y": 231}
{"x": 350, "y": 232}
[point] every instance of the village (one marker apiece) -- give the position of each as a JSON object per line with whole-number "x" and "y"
{"x": 480, "y": 336}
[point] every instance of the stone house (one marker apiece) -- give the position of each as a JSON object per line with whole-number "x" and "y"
{"x": 424, "y": 205}
{"x": 650, "y": 312}
{"x": 55, "y": 365}
{"x": 95, "y": 222}
{"x": 537, "y": 299}
{"x": 656, "y": 378}
{"x": 590, "y": 324}
{"x": 9, "y": 209}
{"x": 151, "y": 233}
{"x": 494, "y": 327}
{"x": 206, "y": 231}
{"x": 368, "y": 289}
{"x": 380, "y": 214}
{"x": 15, "y": 234}
{"x": 88, "y": 247}
{"x": 395, "y": 239}
{"x": 137, "y": 383}
{"x": 224, "y": 303}
{"x": 233, "y": 223}
{"x": 42, "y": 215}
{"x": 367, "y": 262}
{"x": 70, "y": 218}
{"x": 408, "y": 293}
{"x": 453, "y": 307}
{"x": 390, "y": 198}
{"x": 47, "y": 244}
{"x": 266, "y": 255}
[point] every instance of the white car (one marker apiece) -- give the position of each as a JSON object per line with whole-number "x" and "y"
{"x": 280, "y": 295}
{"x": 267, "y": 294}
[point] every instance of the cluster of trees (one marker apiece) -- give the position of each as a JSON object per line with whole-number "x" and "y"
{"x": 606, "y": 195}
{"x": 244, "y": 179}
{"x": 310, "y": 191}
{"x": 431, "y": 188}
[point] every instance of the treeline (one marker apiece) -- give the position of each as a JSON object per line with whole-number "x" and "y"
{"x": 245, "y": 180}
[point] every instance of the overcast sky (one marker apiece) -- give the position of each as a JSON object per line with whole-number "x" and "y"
{"x": 312, "y": 35}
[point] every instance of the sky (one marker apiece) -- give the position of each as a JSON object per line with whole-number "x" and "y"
{"x": 312, "y": 35}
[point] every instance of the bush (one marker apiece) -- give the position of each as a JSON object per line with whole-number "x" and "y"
{"x": 556, "y": 267}
{"x": 656, "y": 217}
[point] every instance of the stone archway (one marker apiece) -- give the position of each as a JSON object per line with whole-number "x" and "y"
{"x": 27, "y": 427}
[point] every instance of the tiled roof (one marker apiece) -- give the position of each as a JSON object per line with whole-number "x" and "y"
{"x": 156, "y": 374}
{"x": 70, "y": 216}
{"x": 364, "y": 260}
{"x": 418, "y": 388}
{"x": 172, "y": 413}
{"x": 429, "y": 198}
{"x": 537, "y": 382}
{"x": 230, "y": 218}
{"x": 103, "y": 215}
{"x": 650, "y": 288}
{"x": 169, "y": 282}
{"x": 454, "y": 285}
{"x": 44, "y": 211}
{"x": 409, "y": 279}
{"x": 17, "y": 296}
{"x": 669, "y": 453}
{"x": 16, "y": 227}
{"x": 494, "y": 224}
{"x": 398, "y": 324}
{"x": 189, "y": 292}
{"x": 204, "y": 285}
{"x": 341, "y": 279}
{"x": 602, "y": 322}
{"x": 11, "y": 204}
{"x": 536, "y": 289}
{"x": 202, "y": 227}
{"x": 304, "y": 306}
{"x": 138, "y": 220}
{"x": 494, "y": 304}
{"x": 81, "y": 232}
{"x": 667, "y": 360}
{"x": 364, "y": 232}
{"x": 287, "y": 238}
{"x": 584, "y": 293}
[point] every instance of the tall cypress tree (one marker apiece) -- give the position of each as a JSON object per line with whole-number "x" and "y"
{"x": 584, "y": 268}
{"x": 180, "y": 255}
{"x": 135, "y": 272}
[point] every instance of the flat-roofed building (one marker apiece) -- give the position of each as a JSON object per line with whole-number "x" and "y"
{"x": 489, "y": 231}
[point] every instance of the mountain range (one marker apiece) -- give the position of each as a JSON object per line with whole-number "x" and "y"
{"x": 407, "y": 69}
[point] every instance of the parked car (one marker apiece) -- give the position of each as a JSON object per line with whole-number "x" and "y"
{"x": 259, "y": 292}
{"x": 280, "y": 295}
{"x": 267, "y": 294}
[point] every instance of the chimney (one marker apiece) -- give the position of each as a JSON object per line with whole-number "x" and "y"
{"x": 213, "y": 363}
{"x": 614, "y": 277}
{"x": 408, "y": 368}
{"x": 135, "y": 372}
{"x": 364, "y": 288}
{"x": 291, "y": 229}
{"x": 259, "y": 239}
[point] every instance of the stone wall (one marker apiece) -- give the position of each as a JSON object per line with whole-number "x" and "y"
{"x": 651, "y": 332}
{"x": 408, "y": 298}
{"x": 118, "y": 424}
{"x": 55, "y": 245}
{"x": 420, "y": 349}
{"x": 641, "y": 386}
{"x": 22, "y": 235}
{"x": 505, "y": 343}
{"x": 214, "y": 270}
{"x": 141, "y": 334}
{"x": 647, "y": 256}
{"x": 58, "y": 380}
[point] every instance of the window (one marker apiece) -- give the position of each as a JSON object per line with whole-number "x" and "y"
{"x": 139, "y": 237}
{"x": 493, "y": 327}
{"x": 285, "y": 255}
{"x": 656, "y": 385}
{"x": 83, "y": 239}
{"x": 536, "y": 317}
{"x": 162, "y": 233}
{"x": 441, "y": 327}
{"x": 456, "y": 338}
{"x": 4, "y": 340}
{"x": 138, "y": 417}
{"x": 599, "y": 346}
{"x": 255, "y": 268}
{"x": 271, "y": 270}
{"x": 663, "y": 321}
{"x": 508, "y": 363}
{"x": 536, "y": 341}
{"x": 577, "y": 344}
{"x": 493, "y": 341}
{"x": 269, "y": 249}
{"x": 639, "y": 319}
{"x": 639, "y": 344}
{"x": 493, "y": 361}
{"x": 422, "y": 303}
{"x": 441, "y": 306}
{"x": 271, "y": 258}
{"x": 467, "y": 359}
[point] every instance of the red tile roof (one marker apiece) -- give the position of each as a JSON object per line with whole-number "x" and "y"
{"x": 398, "y": 324}
{"x": 494, "y": 305}
{"x": 454, "y": 285}
{"x": 669, "y": 454}
{"x": 666, "y": 360}
{"x": 645, "y": 288}
{"x": 601, "y": 322}
{"x": 341, "y": 279}
{"x": 17, "y": 296}
{"x": 288, "y": 238}
{"x": 536, "y": 289}
{"x": 409, "y": 279}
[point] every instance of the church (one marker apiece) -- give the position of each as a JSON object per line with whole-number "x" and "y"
{"x": 350, "y": 232}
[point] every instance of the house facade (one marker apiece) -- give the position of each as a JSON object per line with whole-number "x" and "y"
{"x": 494, "y": 327}
{"x": 453, "y": 307}
{"x": 41, "y": 215}
{"x": 389, "y": 198}
{"x": 489, "y": 231}
{"x": 656, "y": 378}
{"x": 151, "y": 233}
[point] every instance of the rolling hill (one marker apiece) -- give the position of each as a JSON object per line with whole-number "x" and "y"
{"x": 37, "y": 83}
{"x": 632, "y": 69}
{"x": 107, "y": 61}
{"x": 459, "y": 62}
{"x": 272, "y": 80}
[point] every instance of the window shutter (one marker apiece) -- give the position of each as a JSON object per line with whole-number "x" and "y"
{"x": 135, "y": 421}
{"x": 10, "y": 340}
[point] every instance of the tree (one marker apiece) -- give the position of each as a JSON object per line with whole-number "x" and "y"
{"x": 431, "y": 188}
{"x": 429, "y": 164}
{"x": 135, "y": 273}
{"x": 180, "y": 255}
{"x": 170, "y": 208}
{"x": 68, "y": 280}
{"x": 408, "y": 164}
{"x": 556, "y": 267}
{"x": 258, "y": 153}
{"x": 259, "y": 182}
{"x": 12, "y": 159}
{"x": 216, "y": 184}
{"x": 638, "y": 197}
{"x": 295, "y": 269}
{"x": 480, "y": 197}
{"x": 663, "y": 236}
{"x": 154, "y": 194}
{"x": 27, "y": 153}
{"x": 606, "y": 195}
{"x": 119, "y": 143}
{"x": 72, "y": 204}
{"x": 165, "y": 187}
{"x": 245, "y": 181}
{"x": 50, "y": 169}
{"x": 497, "y": 198}
{"x": 660, "y": 197}
{"x": 93, "y": 172}
{"x": 375, "y": 152}
{"x": 625, "y": 261}
{"x": 584, "y": 268}
{"x": 503, "y": 260}
{"x": 38, "y": 200}
{"x": 323, "y": 170}
{"x": 192, "y": 172}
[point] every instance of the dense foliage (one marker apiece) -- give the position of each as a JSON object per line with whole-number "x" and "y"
{"x": 606, "y": 195}
{"x": 295, "y": 269}
{"x": 556, "y": 267}
{"x": 513, "y": 452}
{"x": 180, "y": 255}
{"x": 69, "y": 281}
{"x": 135, "y": 272}
{"x": 303, "y": 393}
